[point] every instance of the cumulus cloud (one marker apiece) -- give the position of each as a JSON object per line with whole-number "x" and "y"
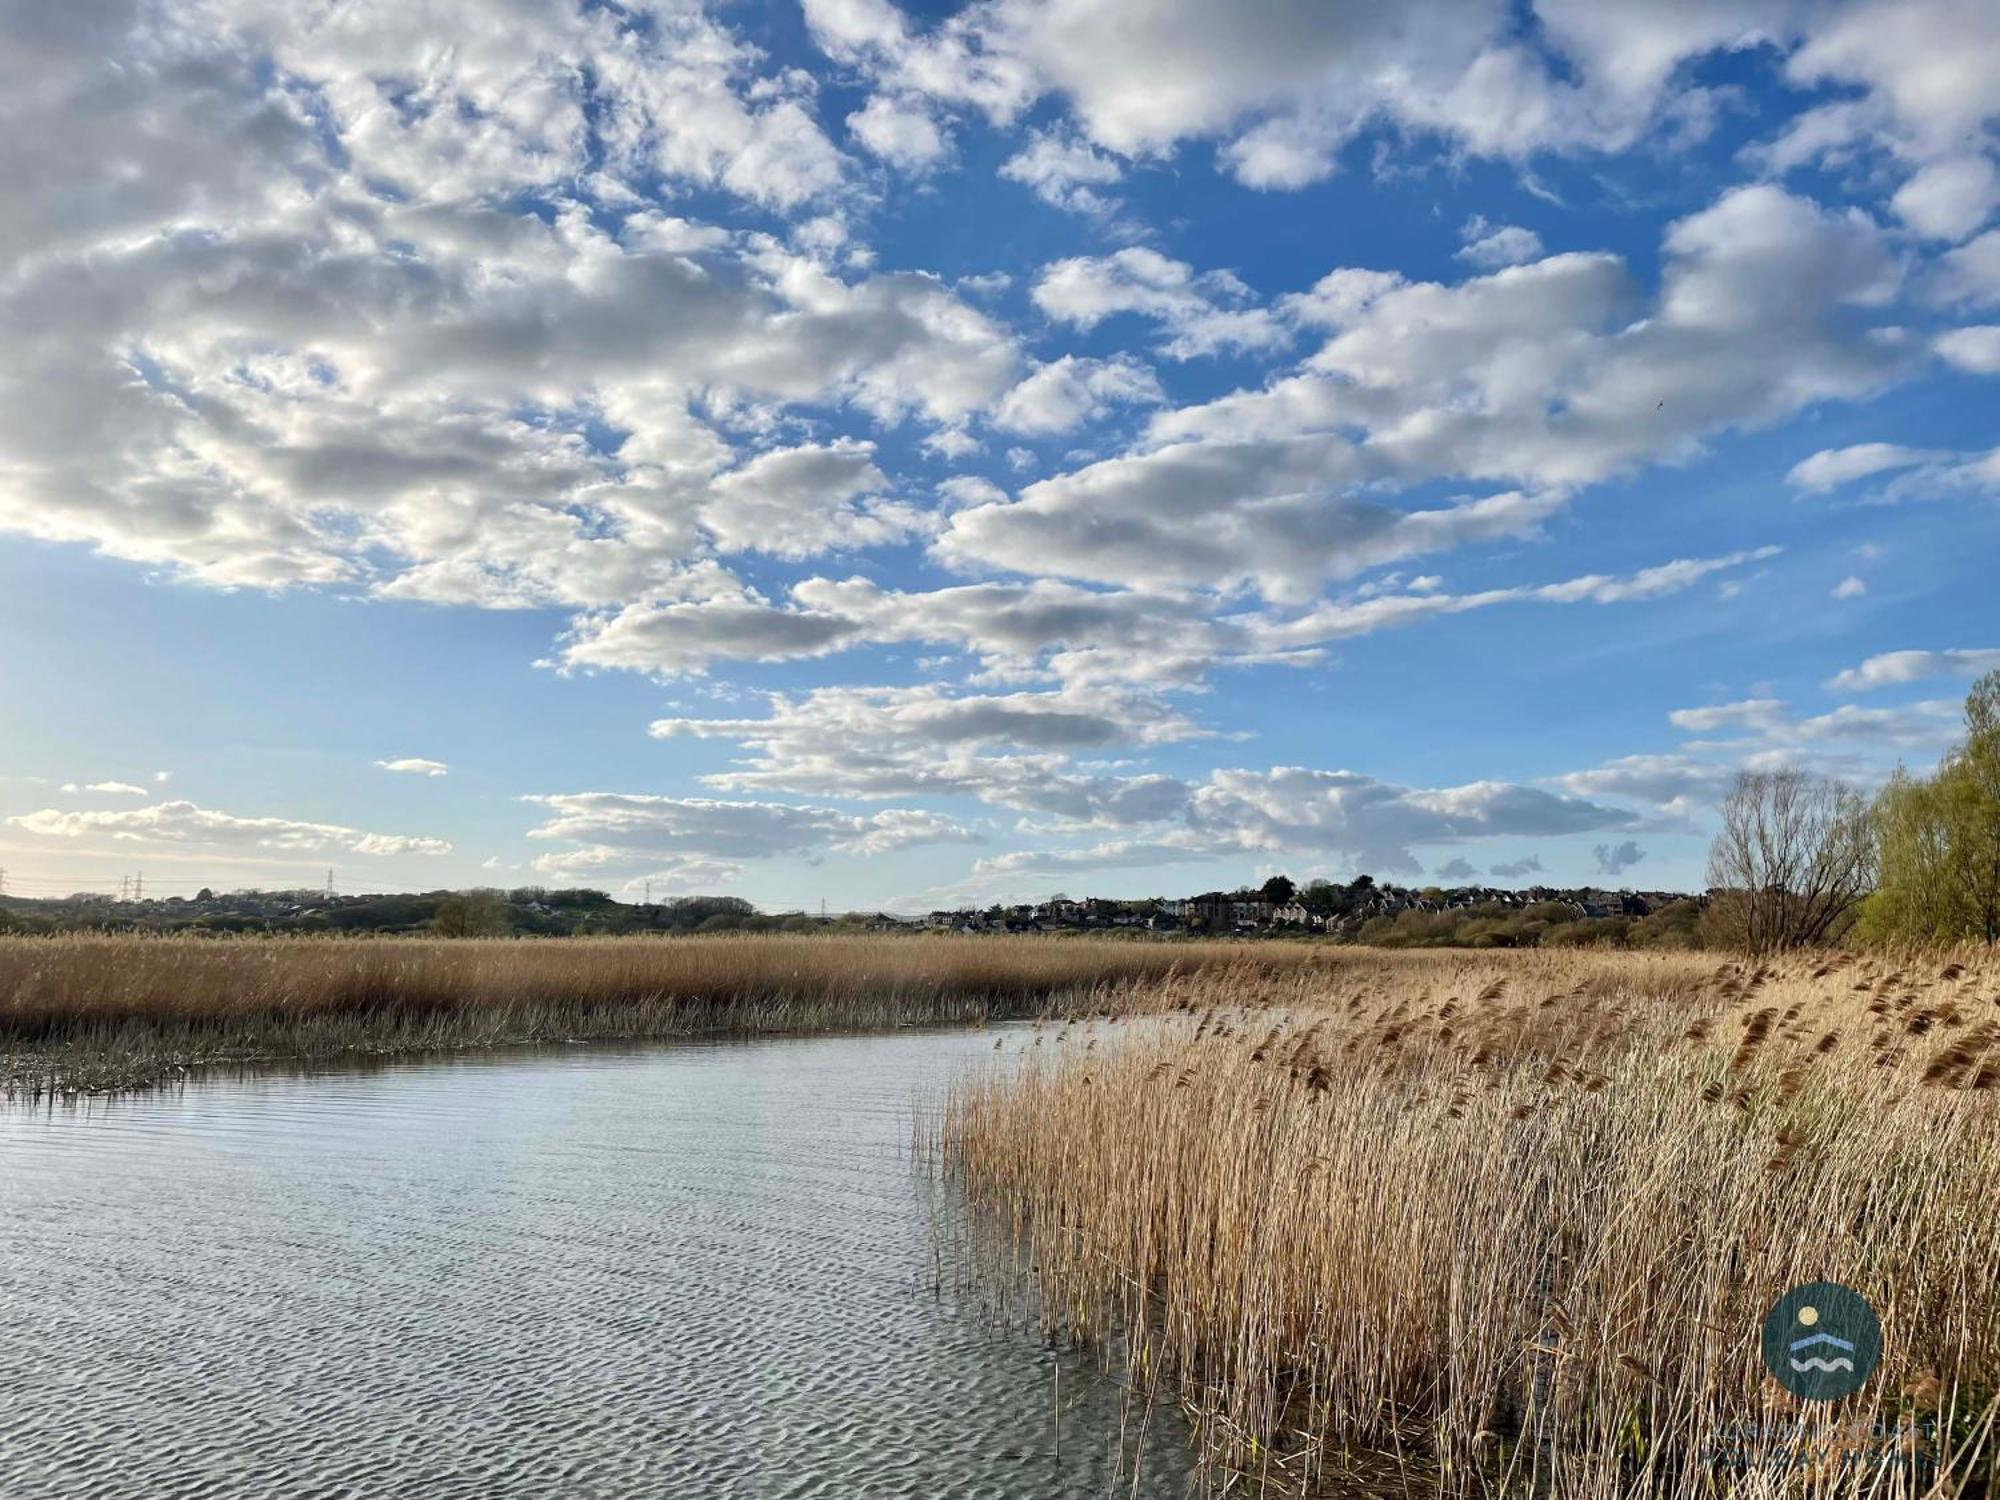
{"x": 1894, "y": 668}
{"x": 1541, "y": 378}
{"x": 1009, "y": 750}
{"x": 1514, "y": 869}
{"x": 1076, "y": 634}
{"x": 626, "y": 834}
{"x": 1658, "y": 779}
{"x": 1760, "y": 715}
{"x": 1455, "y": 869}
{"x": 1976, "y": 349}
{"x": 1922, "y": 473}
{"x": 1281, "y": 88}
{"x": 185, "y": 823}
{"x": 1949, "y": 199}
{"x": 1832, "y": 467}
{"x": 1856, "y": 743}
{"x": 1971, "y": 273}
{"x": 899, "y": 131}
{"x": 1198, "y": 313}
{"x": 1067, "y": 392}
{"x": 1491, "y": 246}
{"x": 1064, "y": 171}
{"x": 308, "y": 345}
{"x": 1770, "y": 724}
{"x": 415, "y": 765}
{"x": 1294, "y": 810}
{"x": 816, "y": 497}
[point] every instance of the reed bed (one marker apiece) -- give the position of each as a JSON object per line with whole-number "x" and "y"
{"x": 1513, "y": 1224}
{"x": 101, "y": 1012}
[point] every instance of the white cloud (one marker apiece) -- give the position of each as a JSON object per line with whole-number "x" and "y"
{"x": 107, "y": 788}
{"x": 1758, "y": 715}
{"x": 1543, "y": 377}
{"x": 1293, "y": 810}
{"x": 1894, "y": 668}
{"x": 1976, "y": 350}
{"x": 1924, "y": 725}
{"x": 1010, "y": 750}
{"x": 1924, "y": 62}
{"x": 1832, "y": 467}
{"x": 899, "y": 131}
{"x": 315, "y": 338}
{"x": 1949, "y": 199}
{"x": 415, "y": 765}
{"x": 794, "y": 502}
{"x": 1658, "y": 779}
{"x": 1070, "y": 391}
{"x": 1850, "y": 587}
{"x": 1078, "y": 635}
{"x": 1491, "y": 246}
{"x": 1281, "y": 87}
{"x": 1769, "y": 726}
{"x": 1971, "y": 273}
{"x": 1198, "y": 314}
{"x": 631, "y": 834}
{"x": 183, "y": 822}
{"x": 1064, "y": 171}
{"x": 1924, "y": 473}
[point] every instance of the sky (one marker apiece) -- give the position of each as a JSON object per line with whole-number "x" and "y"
{"x": 913, "y": 455}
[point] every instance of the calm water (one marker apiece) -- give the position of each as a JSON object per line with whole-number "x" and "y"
{"x": 696, "y": 1271}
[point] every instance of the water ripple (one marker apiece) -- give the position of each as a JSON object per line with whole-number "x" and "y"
{"x": 698, "y": 1270}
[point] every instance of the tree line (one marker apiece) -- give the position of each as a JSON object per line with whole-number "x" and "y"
{"x": 1801, "y": 860}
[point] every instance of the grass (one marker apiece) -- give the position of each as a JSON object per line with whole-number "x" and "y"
{"x": 99, "y": 1012}
{"x": 1511, "y": 1224}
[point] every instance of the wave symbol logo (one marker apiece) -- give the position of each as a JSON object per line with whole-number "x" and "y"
{"x": 1822, "y": 1341}
{"x": 1817, "y": 1362}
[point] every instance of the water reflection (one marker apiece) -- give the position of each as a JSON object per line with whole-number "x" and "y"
{"x": 696, "y": 1270}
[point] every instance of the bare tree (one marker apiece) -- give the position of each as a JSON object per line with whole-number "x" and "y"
{"x": 1793, "y": 859}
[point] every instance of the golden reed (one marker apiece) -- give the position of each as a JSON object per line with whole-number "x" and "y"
{"x": 1512, "y": 1223}
{"x": 84, "y": 1012}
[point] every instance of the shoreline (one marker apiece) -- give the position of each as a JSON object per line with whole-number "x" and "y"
{"x": 109, "y": 1014}
{"x": 89, "y": 1068}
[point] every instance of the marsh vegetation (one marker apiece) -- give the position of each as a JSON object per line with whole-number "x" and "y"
{"x": 1512, "y": 1224}
{"x": 92, "y": 1012}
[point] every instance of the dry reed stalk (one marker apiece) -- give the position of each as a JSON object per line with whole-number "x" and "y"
{"x": 1534, "y": 1244}
{"x": 91, "y": 1011}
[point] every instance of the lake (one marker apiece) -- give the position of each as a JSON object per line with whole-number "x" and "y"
{"x": 705, "y": 1269}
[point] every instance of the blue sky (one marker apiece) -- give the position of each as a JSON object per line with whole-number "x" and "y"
{"x": 899, "y": 456}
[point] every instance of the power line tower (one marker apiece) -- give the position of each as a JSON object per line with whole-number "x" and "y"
{"x": 124, "y": 887}
{"x": 329, "y": 882}
{"x": 3, "y": 880}
{"x": 649, "y": 893}
{"x": 139, "y": 886}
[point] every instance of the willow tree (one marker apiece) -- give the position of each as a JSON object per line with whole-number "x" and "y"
{"x": 1790, "y": 864}
{"x": 1940, "y": 840}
